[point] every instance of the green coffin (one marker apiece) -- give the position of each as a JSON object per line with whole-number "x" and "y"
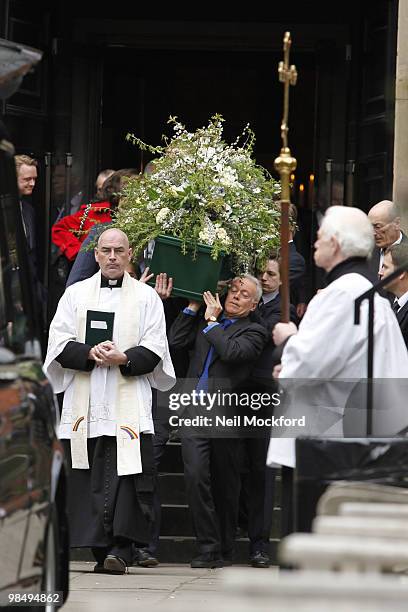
{"x": 190, "y": 276}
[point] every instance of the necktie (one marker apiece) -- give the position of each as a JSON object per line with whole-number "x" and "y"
{"x": 261, "y": 304}
{"x": 395, "y": 306}
{"x": 202, "y": 384}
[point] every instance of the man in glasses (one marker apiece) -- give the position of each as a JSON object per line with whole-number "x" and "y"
{"x": 385, "y": 220}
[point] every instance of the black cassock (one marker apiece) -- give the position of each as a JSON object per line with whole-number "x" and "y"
{"x": 103, "y": 506}
{"x": 105, "y": 510}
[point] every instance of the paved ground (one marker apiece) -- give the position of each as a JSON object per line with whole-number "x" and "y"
{"x": 166, "y": 588}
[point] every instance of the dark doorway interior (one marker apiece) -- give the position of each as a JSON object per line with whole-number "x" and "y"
{"x": 142, "y": 89}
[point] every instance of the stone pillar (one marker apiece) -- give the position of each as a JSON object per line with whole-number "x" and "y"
{"x": 400, "y": 189}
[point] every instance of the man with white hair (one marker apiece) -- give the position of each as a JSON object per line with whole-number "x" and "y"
{"x": 328, "y": 345}
{"x": 384, "y": 218}
{"x": 225, "y": 343}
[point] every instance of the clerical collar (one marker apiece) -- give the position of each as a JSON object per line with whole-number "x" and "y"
{"x": 358, "y": 265}
{"x": 111, "y": 283}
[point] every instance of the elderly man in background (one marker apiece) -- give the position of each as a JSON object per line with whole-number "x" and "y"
{"x": 385, "y": 219}
{"x": 328, "y": 345}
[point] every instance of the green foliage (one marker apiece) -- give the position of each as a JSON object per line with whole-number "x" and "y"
{"x": 203, "y": 190}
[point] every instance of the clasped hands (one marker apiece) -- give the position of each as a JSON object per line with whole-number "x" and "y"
{"x": 107, "y": 354}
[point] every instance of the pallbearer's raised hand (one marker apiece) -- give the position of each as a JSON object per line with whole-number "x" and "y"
{"x": 146, "y": 276}
{"x": 164, "y": 285}
{"x": 214, "y": 308}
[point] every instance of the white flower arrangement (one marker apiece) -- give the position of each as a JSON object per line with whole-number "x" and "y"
{"x": 203, "y": 190}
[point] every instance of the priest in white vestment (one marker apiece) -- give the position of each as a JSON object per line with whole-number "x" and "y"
{"x": 106, "y": 421}
{"x": 330, "y": 347}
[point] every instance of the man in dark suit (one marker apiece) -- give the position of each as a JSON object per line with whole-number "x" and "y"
{"x": 268, "y": 313}
{"x": 297, "y": 267}
{"x": 225, "y": 343}
{"x": 385, "y": 220}
{"x": 396, "y": 257}
{"x": 258, "y": 480}
{"x": 26, "y": 169}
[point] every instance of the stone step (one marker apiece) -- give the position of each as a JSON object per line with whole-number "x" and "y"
{"x": 366, "y": 526}
{"x": 182, "y": 550}
{"x": 171, "y": 461}
{"x": 311, "y": 591}
{"x": 396, "y": 511}
{"x": 343, "y": 552}
{"x": 342, "y": 492}
{"x": 176, "y": 521}
{"x": 172, "y": 488}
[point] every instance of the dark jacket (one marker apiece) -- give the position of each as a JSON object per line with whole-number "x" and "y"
{"x": 297, "y": 270}
{"x": 269, "y": 315}
{"x": 236, "y": 348}
{"x": 402, "y": 318}
{"x": 85, "y": 265}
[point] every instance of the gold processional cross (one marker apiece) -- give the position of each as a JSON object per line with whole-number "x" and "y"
{"x": 285, "y": 164}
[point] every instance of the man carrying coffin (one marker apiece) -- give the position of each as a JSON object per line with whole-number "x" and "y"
{"x": 107, "y": 348}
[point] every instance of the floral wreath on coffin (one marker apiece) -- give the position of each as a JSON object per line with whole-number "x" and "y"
{"x": 204, "y": 191}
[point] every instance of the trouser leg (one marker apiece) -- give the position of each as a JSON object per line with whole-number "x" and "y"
{"x": 196, "y": 458}
{"x": 287, "y": 501}
{"x": 225, "y": 475}
{"x": 259, "y": 502}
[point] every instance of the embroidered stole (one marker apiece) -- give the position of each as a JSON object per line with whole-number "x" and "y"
{"x": 128, "y": 402}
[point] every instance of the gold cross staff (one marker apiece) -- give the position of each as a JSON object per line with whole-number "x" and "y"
{"x": 285, "y": 164}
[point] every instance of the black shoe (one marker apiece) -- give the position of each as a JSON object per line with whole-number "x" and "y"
{"x": 144, "y": 558}
{"x": 115, "y": 565}
{"x": 259, "y": 559}
{"x": 209, "y": 560}
{"x": 99, "y": 569}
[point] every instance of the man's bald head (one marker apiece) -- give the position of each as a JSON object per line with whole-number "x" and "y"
{"x": 384, "y": 218}
{"x": 113, "y": 231}
{"x": 113, "y": 253}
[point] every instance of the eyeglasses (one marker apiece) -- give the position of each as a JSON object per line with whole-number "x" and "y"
{"x": 379, "y": 228}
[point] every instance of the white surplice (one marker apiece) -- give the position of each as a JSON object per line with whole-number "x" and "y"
{"x": 103, "y": 402}
{"x": 330, "y": 346}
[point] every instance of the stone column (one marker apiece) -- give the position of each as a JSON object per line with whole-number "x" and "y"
{"x": 400, "y": 189}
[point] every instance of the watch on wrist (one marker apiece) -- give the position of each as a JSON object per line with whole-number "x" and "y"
{"x": 211, "y": 319}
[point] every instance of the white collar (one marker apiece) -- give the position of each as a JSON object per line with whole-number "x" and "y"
{"x": 402, "y": 300}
